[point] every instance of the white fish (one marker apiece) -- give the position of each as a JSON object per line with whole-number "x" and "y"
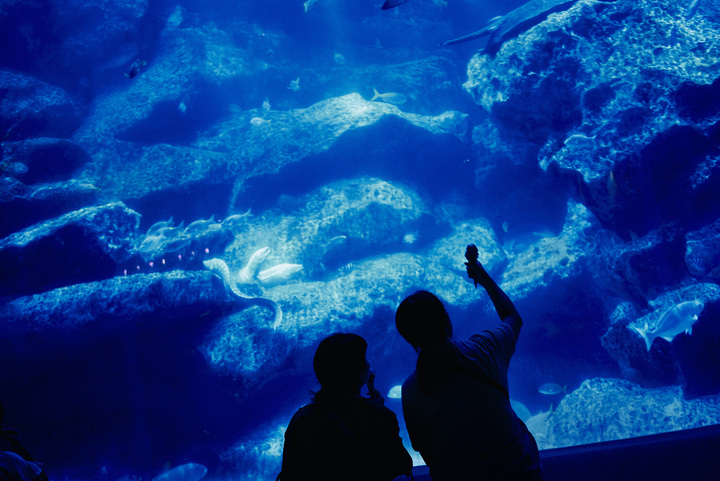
{"x": 257, "y": 121}
{"x": 199, "y": 225}
{"x": 185, "y": 472}
{"x": 520, "y": 410}
{"x": 678, "y": 319}
{"x": 395, "y": 392}
{"x": 550, "y": 389}
{"x": 278, "y": 274}
{"x": 157, "y": 226}
{"x": 390, "y": 97}
{"x": 294, "y": 85}
{"x": 18, "y": 168}
{"x": 692, "y": 9}
{"x": 235, "y": 219}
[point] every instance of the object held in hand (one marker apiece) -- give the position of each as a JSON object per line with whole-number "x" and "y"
{"x": 471, "y": 254}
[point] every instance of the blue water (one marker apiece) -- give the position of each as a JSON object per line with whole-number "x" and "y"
{"x": 579, "y": 151}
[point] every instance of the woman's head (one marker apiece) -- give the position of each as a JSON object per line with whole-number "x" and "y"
{"x": 340, "y": 363}
{"x": 422, "y": 320}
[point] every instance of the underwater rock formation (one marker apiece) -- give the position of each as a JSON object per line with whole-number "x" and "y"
{"x": 335, "y": 224}
{"x": 702, "y": 252}
{"x": 114, "y": 340}
{"x": 641, "y": 268}
{"x": 597, "y": 91}
{"x": 32, "y": 108}
{"x": 82, "y": 246}
{"x": 168, "y": 246}
{"x": 608, "y": 409}
{"x": 112, "y": 303}
{"x": 22, "y": 206}
{"x": 310, "y": 145}
{"x": 46, "y": 159}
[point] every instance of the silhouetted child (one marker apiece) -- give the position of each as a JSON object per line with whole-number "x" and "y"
{"x": 341, "y": 434}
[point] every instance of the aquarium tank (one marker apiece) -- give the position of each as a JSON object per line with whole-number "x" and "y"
{"x": 193, "y": 194}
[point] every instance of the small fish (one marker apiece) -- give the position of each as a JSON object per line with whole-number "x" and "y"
{"x": 612, "y": 186}
{"x": 199, "y": 225}
{"x": 550, "y": 389}
{"x": 150, "y": 244}
{"x": 390, "y": 97}
{"x": 235, "y": 219}
{"x": 171, "y": 231}
{"x": 135, "y": 68}
{"x": 580, "y": 141}
{"x": 346, "y": 269}
{"x": 676, "y": 320}
{"x": 257, "y": 121}
{"x": 395, "y": 392}
{"x": 177, "y": 244}
{"x": 520, "y": 410}
{"x": 157, "y": 226}
{"x": 185, "y": 472}
{"x": 294, "y": 85}
{"x": 17, "y": 168}
{"x": 692, "y": 9}
{"x": 393, "y": 3}
{"x": 410, "y": 238}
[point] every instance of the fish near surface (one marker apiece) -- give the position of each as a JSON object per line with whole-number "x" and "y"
{"x": 389, "y": 97}
{"x": 676, "y": 320}
{"x": 514, "y": 23}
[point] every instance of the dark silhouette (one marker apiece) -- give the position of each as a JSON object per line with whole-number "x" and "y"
{"x": 15, "y": 461}
{"x": 341, "y": 434}
{"x": 456, "y": 404}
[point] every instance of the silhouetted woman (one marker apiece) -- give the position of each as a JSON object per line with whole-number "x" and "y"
{"x": 341, "y": 434}
{"x": 456, "y": 404}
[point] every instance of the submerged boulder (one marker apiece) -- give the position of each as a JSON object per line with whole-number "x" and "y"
{"x": 335, "y": 225}
{"x": 82, "y": 246}
{"x": 609, "y": 409}
{"x": 22, "y": 206}
{"x": 702, "y": 252}
{"x": 32, "y": 108}
{"x": 298, "y": 150}
{"x": 111, "y": 346}
{"x": 45, "y": 159}
{"x": 608, "y": 93}
{"x": 113, "y": 305}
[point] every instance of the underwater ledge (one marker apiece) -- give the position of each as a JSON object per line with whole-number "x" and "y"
{"x": 687, "y": 454}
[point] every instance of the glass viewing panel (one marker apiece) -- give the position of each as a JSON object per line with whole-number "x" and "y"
{"x": 195, "y": 194}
